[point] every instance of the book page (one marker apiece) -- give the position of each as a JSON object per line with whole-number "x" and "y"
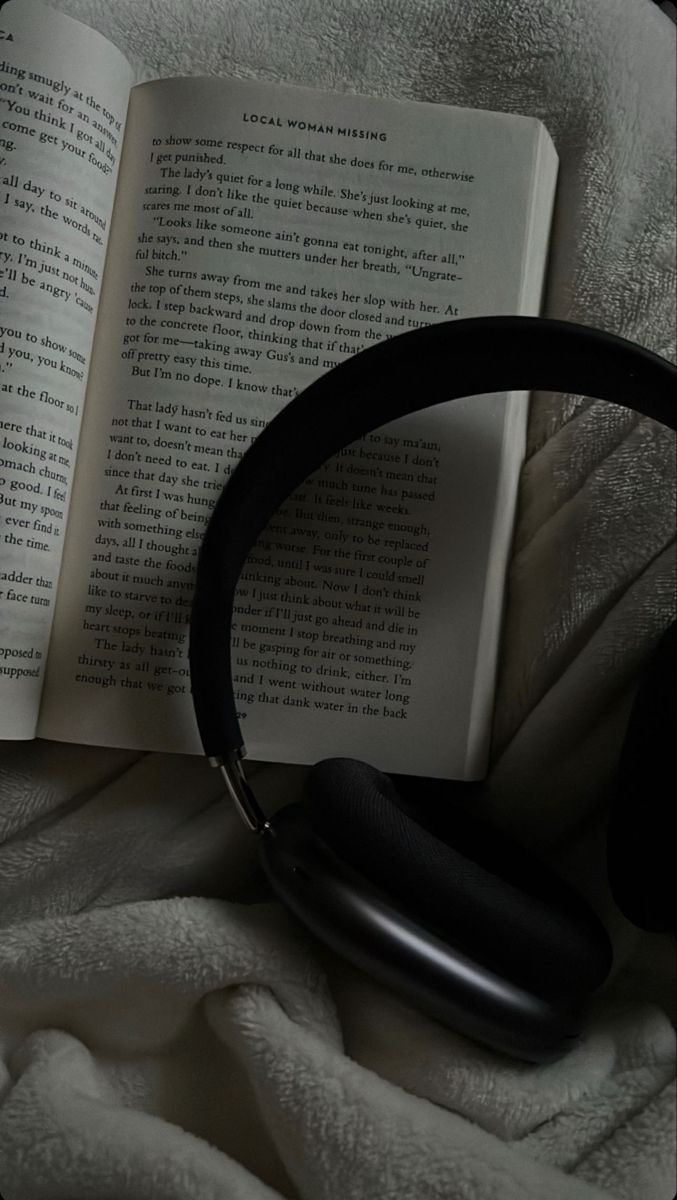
{"x": 261, "y": 235}
{"x": 63, "y": 98}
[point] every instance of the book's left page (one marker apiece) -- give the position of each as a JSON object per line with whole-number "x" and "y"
{"x": 64, "y": 92}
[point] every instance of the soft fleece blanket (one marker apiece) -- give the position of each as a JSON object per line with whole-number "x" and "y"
{"x": 166, "y": 1032}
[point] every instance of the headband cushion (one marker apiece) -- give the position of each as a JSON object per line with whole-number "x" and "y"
{"x": 462, "y": 880}
{"x": 404, "y": 374}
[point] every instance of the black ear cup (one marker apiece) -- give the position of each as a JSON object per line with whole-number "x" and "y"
{"x": 482, "y": 894}
{"x": 380, "y": 936}
{"x": 639, "y": 854}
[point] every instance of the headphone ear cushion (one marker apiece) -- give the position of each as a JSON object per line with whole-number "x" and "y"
{"x": 488, "y": 897}
{"x": 639, "y": 850}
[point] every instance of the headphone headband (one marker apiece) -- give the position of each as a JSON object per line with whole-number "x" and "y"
{"x": 409, "y": 372}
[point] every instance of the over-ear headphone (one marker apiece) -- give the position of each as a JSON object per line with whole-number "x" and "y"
{"x": 457, "y": 920}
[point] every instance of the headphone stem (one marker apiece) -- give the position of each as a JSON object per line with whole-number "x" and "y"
{"x": 240, "y": 792}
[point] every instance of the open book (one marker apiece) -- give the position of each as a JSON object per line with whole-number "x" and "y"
{"x": 177, "y": 260}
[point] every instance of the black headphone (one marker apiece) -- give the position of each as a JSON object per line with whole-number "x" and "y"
{"x": 460, "y": 922}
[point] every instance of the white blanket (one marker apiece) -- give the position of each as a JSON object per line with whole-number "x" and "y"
{"x": 166, "y": 1031}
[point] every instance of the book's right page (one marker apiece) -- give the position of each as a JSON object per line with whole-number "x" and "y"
{"x": 262, "y": 234}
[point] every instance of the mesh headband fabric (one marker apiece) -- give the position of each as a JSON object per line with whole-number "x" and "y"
{"x": 412, "y": 371}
